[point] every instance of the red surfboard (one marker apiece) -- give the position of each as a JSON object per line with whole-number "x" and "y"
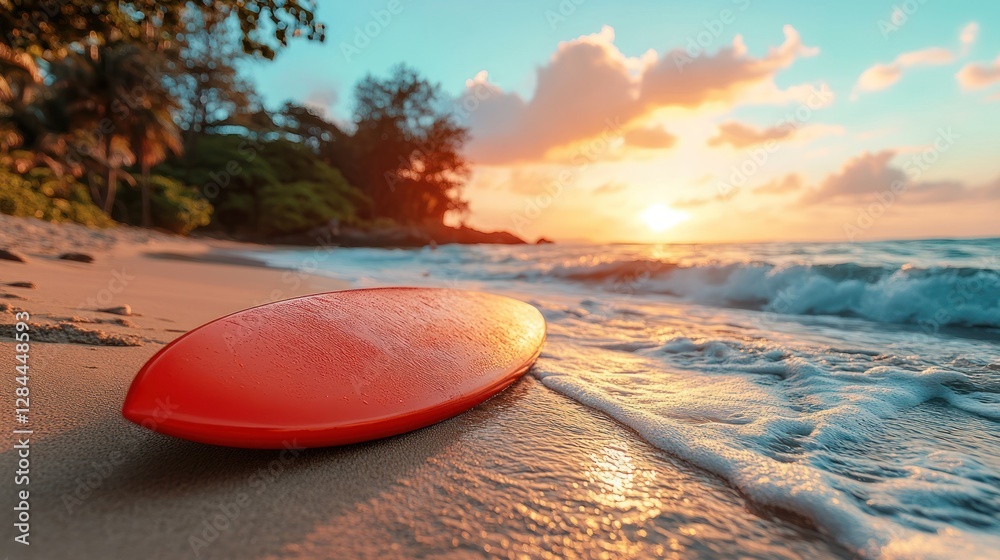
{"x": 336, "y": 368}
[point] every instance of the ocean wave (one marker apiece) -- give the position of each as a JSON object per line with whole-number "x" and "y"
{"x": 932, "y": 298}
{"x": 801, "y": 429}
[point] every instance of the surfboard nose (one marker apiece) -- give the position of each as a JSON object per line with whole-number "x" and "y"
{"x": 145, "y": 403}
{"x": 135, "y": 412}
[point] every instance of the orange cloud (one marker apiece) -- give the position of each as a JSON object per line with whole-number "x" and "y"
{"x": 677, "y": 79}
{"x": 788, "y": 183}
{"x": 529, "y": 182}
{"x": 978, "y": 76}
{"x": 650, "y": 138}
{"x": 883, "y": 76}
{"x": 872, "y": 177}
{"x": 610, "y": 188}
{"x": 739, "y": 135}
{"x": 722, "y": 196}
{"x": 589, "y": 89}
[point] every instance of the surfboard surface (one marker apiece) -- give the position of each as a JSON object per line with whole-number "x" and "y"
{"x": 336, "y": 368}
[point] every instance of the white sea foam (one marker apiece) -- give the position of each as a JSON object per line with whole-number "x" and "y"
{"x": 796, "y": 427}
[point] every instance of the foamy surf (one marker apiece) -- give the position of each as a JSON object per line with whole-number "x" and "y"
{"x": 792, "y": 425}
{"x": 823, "y": 380}
{"x": 937, "y": 297}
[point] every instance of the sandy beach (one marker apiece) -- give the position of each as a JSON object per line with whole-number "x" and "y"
{"x": 530, "y": 473}
{"x": 685, "y": 281}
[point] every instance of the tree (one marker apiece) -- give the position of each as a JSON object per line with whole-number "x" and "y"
{"x": 19, "y": 78}
{"x": 267, "y": 187}
{"x": 154, "y": 133}
{"x": 99, "y": 90}
{"x": 210, "y": 90}
{"x": 409, "y": 148}
{"x": 99, "y": 44}
{"x": 327, "y": 140}
{"x": 95, "y": 87}
{"x": 40, "y": 26}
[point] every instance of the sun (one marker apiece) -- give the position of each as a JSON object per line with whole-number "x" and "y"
{"x": 661, "y": 217}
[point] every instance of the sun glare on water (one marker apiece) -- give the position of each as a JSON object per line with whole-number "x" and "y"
{"x": 661, "y": 217}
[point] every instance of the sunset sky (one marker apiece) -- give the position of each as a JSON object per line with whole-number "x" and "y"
{"x": 736, "y": 120}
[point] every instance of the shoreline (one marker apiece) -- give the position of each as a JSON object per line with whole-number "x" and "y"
{"x": 529, "y": 472}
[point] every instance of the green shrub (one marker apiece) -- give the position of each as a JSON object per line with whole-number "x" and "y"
{"x": 299, "y": 206}
{"x": 41, "y": 194}
{"x": 173, "y": 206}
{"x": 268, "y": 188}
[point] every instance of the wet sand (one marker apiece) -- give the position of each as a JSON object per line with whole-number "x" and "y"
{"x": 529, "y": 473}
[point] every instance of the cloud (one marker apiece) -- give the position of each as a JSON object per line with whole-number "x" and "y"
{"x": 649, "y": 138}
{"x": 589, "y": 89}
{"x": 897, "y": 17}
{"x": 322, "y": 100}
{"x": 788, "y": 183}
{"x": 610, "y": 187}
{"x": 739, "y": 135}
{"x": 680, "y": 80}
{"x": 968, "y": 36}
{"x": 883, "y": 76}
{"x": 978, "y": 76}
{"x": 992, "y": 190}
{"x": 695, "y": 202}
{"x": 529, "y": 182}
{"x": 860, "y": 177}
{"x": 872, "y": 177}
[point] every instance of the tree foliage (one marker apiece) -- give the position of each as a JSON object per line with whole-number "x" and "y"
{"x": 409, "y": 148}
{"x": 139, "y": 105}
{"x": 39, "y": 193}
{"x": 267, "y": 187}
{"x": 54, "y": 27}
{"x": 171, "y": 205}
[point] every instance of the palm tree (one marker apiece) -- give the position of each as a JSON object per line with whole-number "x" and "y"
{"x": 154, "y": 133}
{"x": 102, "y": 90}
